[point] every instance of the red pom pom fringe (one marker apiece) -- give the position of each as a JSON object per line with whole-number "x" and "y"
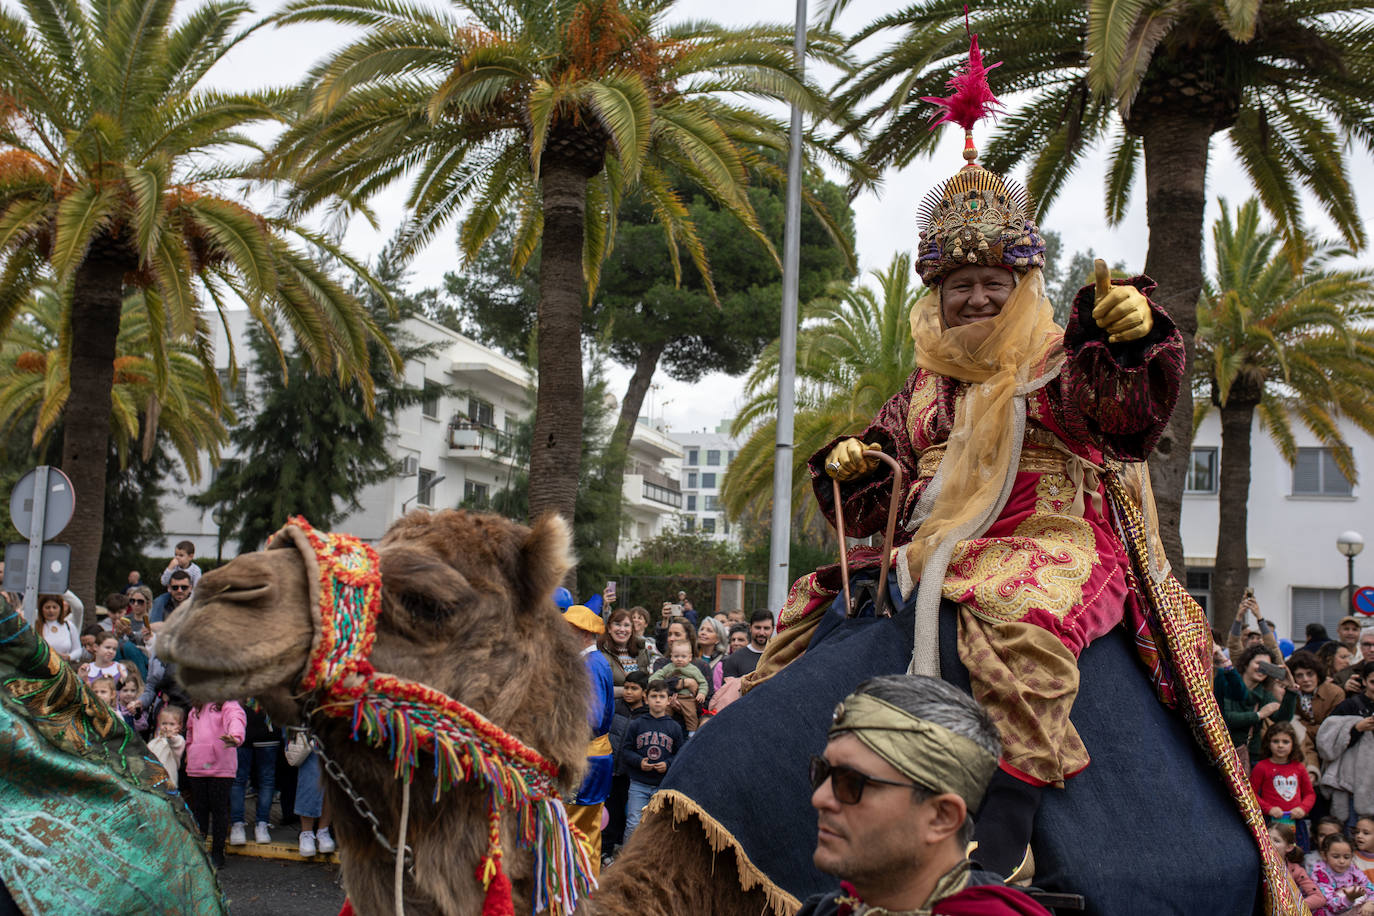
{"x": 498, "y": 900}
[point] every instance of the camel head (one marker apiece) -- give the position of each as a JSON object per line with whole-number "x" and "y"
{"x": 466, "y": 609}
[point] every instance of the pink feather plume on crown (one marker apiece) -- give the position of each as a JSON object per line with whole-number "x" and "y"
{"x": 972, "y": 99}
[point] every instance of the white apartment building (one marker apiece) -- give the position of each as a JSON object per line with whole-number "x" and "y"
{"x": 706, "y": 456}
{"x": 651, "y": 500}
{"x": 454, "y": 447}
{"x": 1295, "y": 516}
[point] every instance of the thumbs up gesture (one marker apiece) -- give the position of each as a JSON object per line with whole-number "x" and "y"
{"x": 1122, "y": 311}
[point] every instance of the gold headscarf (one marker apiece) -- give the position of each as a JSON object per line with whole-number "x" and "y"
{"x": 921, "y": 750}
{"x": 1003, "y": 359}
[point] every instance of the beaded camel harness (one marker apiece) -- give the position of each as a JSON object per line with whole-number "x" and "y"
{"x": 407, "y": 717}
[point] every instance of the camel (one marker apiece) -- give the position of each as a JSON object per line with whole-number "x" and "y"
{"x": 466, "y": 610}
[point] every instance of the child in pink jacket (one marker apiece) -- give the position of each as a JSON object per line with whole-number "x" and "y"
{"x": 213, "y": 733}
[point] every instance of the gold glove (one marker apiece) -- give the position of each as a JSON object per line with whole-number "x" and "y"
{"x": 847, "y": 460}
{"x": 1122, "y": 311}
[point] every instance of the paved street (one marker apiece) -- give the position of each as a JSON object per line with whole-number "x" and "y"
{"x": 272, "y": 887}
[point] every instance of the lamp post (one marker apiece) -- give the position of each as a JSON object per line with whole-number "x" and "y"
{"x": 1350, "y": 543}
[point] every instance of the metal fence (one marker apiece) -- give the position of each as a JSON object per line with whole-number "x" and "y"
{"x": 651, "y": 591}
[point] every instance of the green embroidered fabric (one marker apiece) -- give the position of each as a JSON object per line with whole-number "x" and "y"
{"x": 87, "y": 825}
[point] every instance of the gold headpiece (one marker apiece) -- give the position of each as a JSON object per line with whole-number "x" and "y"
{"x": 976, "y": 217}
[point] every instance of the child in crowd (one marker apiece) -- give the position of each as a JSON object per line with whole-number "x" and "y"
{"x": 1363, "y": 840}
{"x": 128, "y": 706}
{"x": 1321, "y": 829}
{"x": 629, "y": 707}
{"x": 184, "y": 557}
{"x": 168, "y": 745}
{"x": 1343, "y": 886}
{"x": 89, "y": 637}
{"x": 691, "y": 684}
{"x": 104, "y": 664}
{"x": 650, "y": 744}
{"x": 1285, "y": 840}
{"x": 105, "y": 691}
{"x": 1280, "y": 780}
{"x": 258, "y": 762}
{"x": 213, "y": 733}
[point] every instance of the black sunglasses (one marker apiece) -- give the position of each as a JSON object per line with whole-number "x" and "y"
{"x": 846, "y": 782}
{"x": 138, "y": 600}
{"x": 179, "y": 588}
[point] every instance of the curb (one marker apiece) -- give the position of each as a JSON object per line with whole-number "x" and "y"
{"x": 288, "y": 852}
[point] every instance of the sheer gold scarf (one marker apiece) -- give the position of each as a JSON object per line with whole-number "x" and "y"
{"x": 1002, "y": 359}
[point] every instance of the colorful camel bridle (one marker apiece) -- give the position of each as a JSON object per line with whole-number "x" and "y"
{"x": 407, "y": 718}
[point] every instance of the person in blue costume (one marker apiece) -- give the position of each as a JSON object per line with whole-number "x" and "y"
{"x": 585, "y": 811}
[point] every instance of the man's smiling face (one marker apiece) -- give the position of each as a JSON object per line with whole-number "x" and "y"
{"x": 974, "y": 293}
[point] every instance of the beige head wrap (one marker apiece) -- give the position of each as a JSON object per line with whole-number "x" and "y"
{"x": 924, "y": 752}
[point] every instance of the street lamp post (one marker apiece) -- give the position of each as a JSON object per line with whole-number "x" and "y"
{"x": 1350, "y": 543}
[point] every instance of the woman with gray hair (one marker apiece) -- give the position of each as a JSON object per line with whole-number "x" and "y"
{"x": 712, "y": 640}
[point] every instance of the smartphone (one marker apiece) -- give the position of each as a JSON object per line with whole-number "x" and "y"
{"x": 1249, "y": 592}
{"x": 610, "y": 588}
{"x": 1269, "y": 669}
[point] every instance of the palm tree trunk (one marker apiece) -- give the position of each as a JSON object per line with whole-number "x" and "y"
{"x": 1175, "y": 207}
{"x": 556, "y": 453}
{"x": 618, "y": 454}
{"x": 1231, "y": 574}
{"x": 96, "y": 302}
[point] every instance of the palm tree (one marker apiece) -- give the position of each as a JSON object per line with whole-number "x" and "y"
{"x": 35, "y": 383}
{"x": 114, "y": 176}
{"x": 854, "y": 351}
{"x": 546, "y": 113}
{"x": 1286, "y": 81}
{"x": 1284, "y": 346}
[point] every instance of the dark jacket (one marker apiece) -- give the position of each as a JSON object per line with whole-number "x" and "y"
{"x": 624, "y": 715}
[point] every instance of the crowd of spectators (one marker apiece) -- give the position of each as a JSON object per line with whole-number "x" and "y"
{"x": 213, "y": 753}
{"x": 671, "y": 676}
{"x": 1299, "y": 722}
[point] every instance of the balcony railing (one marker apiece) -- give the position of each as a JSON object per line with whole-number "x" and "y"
{"x": 661, "y": 494}
{"x": 487, "y": 440}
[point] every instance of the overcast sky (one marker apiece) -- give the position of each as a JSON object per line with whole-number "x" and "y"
{"x": 885, "y": 220}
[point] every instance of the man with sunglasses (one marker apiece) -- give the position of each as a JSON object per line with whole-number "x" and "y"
{"x": 907, "y": 763}
{"x": 178, "y": 590}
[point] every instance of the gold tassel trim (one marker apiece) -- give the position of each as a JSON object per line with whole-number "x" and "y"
{"x": 751, "y": 876}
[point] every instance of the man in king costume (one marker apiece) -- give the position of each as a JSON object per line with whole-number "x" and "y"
{"x": 1025, "y": 537}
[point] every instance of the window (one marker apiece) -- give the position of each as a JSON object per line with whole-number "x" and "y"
{"x": 689, "y": 524}
{"x": 713, "y": 458}
{"x": 234, "y": 394}
{"x": 476, "y": 494}
{"x": 429, "y": 407}
{"x": 424, "y": 488}
{"x": 712, "y": 503}
{"x": 691, "y": 502}
{"x": 1202, "y": 472}
{"x": 481, "y": 412}
{"x": 692, "y": 456}
{"x": 708, "y": 481}
{"x": 1316, "y": 474}
{"x": 1317, "y": 605}
{"x": 691, "y": 480}
{"x": 730, "y": 456}
{"x": 1199, "y": 585}
{"x": 708, "y": 525}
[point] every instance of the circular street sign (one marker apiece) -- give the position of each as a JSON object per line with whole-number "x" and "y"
{"x": 1364, "y": 601}
{"x": 61, "y": 503}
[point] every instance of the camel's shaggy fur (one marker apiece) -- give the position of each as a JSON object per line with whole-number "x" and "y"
{"x": 466, "y": 609}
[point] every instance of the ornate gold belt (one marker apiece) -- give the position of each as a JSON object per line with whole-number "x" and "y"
{"x": 1034, "y": 460}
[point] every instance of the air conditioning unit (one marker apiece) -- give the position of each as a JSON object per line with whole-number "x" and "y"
{"x": 410, "y": 466}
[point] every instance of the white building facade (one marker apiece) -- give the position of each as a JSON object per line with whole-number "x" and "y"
{"x": 706, "y": 456}
{"x": 454, "y": 449}
{"x": 1296, "y": 515}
